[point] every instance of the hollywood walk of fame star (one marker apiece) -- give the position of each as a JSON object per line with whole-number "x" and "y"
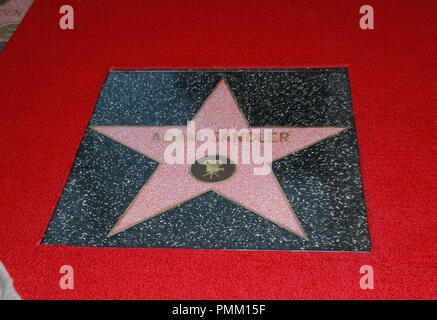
{"x": 173, "y": 184}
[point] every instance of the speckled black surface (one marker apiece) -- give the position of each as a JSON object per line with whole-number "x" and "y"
{"x": 322, "y": 182}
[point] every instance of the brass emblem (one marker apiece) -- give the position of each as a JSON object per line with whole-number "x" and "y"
{"x": 7, "y": 30}
{"x": 212, "y": 169}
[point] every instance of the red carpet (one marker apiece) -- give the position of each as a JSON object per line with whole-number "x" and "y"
{"x": 50, "y": 81}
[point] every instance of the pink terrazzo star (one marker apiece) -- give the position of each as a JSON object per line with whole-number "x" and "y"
{"x": 171, "y": 184}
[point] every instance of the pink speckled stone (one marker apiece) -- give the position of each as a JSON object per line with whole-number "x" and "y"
{"x": 171, "y": 185}
{"x": 13, "y": 12}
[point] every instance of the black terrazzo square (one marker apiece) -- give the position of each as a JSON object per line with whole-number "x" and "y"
{"x": 321, "y": 182}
